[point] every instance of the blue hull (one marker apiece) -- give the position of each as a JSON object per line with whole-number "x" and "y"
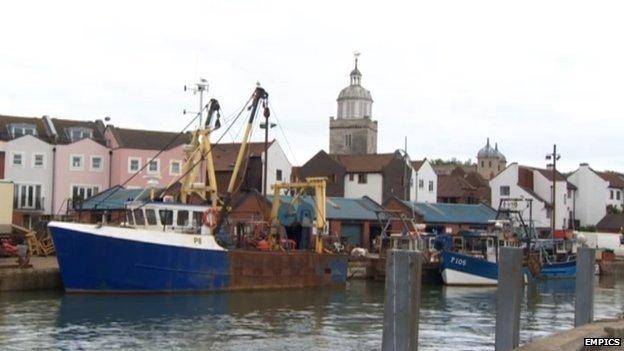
{"x": 561, "y": 270}
{"x": 94, "y": 263}
{"x": 472, "y": 270}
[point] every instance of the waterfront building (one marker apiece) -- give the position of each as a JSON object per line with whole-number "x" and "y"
{"x": 599, "y": 193}
{"x": 490, "y": 161}
{"x": 424, "y": 185}
{"x": 378, "y": 176}
{"x": 133, "y": 149}
{"x": 278, "y": 167}
{"x": 517, "y": 181}
{"x": 353, "y": 220}
{"x": 444, "y": 217}
{"x": 82, "y": 162}
{"x": 28, "y": 162}
{"x": 353, "y": 131}
{"x": 463, "y": 187}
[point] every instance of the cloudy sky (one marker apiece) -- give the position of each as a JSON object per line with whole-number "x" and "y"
{"x": 446, "y": 74}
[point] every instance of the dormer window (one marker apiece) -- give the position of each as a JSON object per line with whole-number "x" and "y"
{"x": 18, "y": 130}
{"x": 76, "y": 134}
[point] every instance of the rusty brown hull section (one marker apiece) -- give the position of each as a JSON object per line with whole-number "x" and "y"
{"x": 294, "y": 269}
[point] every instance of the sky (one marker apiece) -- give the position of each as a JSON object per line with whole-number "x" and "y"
{"x": 444, "y": 74}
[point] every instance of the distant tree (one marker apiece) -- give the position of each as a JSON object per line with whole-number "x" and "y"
{"x": 453, "y": 161}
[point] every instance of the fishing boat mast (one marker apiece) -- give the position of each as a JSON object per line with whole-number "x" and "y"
{"x": 199, "y": 150}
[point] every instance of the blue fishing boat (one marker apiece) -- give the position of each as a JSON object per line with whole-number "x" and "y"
{"x": 460, "y": 269}
{"x": 166, "y": 244}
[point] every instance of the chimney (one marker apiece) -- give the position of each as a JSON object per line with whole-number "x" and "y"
{"x": 584, "y": 164}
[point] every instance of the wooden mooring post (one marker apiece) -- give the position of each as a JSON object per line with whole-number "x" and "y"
{"x": 508, "y": 298}
{"x": 402, "y": 300}
{"x": 584, "y": 289}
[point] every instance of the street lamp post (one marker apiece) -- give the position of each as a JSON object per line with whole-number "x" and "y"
{"x": 554, "y": 156}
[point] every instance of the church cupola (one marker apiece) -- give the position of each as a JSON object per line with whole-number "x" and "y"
{"x": 353, "y": 131}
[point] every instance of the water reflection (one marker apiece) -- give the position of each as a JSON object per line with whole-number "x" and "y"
{"x": 320, "y": 319}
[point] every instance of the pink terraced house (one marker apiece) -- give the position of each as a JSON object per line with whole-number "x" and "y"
{"x": 132, "y": 153}
{"x": 82, "y": 162}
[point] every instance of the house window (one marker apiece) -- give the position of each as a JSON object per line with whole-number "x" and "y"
{"x": 76, "y": 134}
{"x": 154, "y": 166}
{"x": 278, "y": 174}
{"x": 82, "y": 192}
{"x": 174, "y": 167}
{"x": 28, "y": 196}
{"x": 362, "y": 178}
{"x": 18, "y": 159}
{"x": 431, "y": 185}
{"x": 490, "y": 164}
{"x": 76, "y": 162}
{"x": 96, "y": 163}
{"x": 617, "y": 195}
{"x": 348, "y": 140}
{"x": 421, "y": 184}
{"x": 134, "y": 164}
{"x": 611, "y": 194}
{"x": 18, "y": 130}
{"x": 351, "y": 177}
{"x": 38, "y": 160}
{"x": 504, "y": 190}
{"x": 482, "y": 164}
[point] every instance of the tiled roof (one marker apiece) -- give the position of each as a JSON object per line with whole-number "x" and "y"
{"x": 476, "y": 180}
{"x": 148, "y": 139}
{"x": 62, "y": 127}
{"x": 6, "y": 121}
{"x": 417, "y": 164}
{"x": 367, "y": 163}
{"x": 225, "y": 154}
{"x": 453, "y": 213}
{"x": 547, "y": 173}
{"x": 343, "y": 208}
{"x": 615, "y": 180}
{"x": 453, "y": 186}
{"x": 611, "y": 222}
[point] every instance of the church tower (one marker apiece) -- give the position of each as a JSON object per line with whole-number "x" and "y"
{"x": 490, "y": 161}
{"x": 353, "y": 131}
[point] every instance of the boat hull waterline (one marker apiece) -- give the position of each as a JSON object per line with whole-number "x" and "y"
{"x": 113, "y": 259}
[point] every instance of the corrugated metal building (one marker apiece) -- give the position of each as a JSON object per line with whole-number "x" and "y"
{"x": 445, "y": 217}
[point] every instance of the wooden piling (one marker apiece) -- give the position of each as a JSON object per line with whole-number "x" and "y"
{"x": 584, "y": 292}
{"x": 508, "y": 298}
{"x": 402, "y": 300}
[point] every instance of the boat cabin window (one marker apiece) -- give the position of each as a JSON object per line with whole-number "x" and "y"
{"x": 129, "y": 219}
{"x": 151, "y": 217}
{"x": 182, "y": 219}
{"x": 197, "y": 219}
{"x": 166, "y": 217}
{"x": 139, "y": 219}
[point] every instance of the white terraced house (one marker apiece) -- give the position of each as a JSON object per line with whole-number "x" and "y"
{"x": 597, "y": 191}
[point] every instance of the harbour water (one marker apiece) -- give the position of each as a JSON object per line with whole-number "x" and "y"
{"x": 452, "y": 318}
